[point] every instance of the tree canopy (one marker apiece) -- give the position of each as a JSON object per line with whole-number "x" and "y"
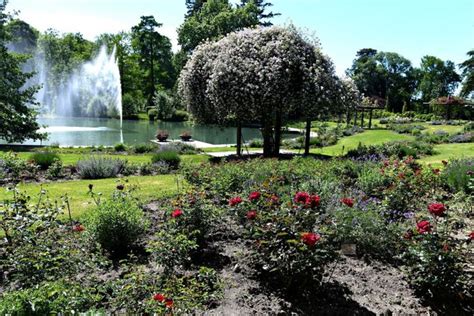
{"x": 17, "y": 115}
{"x": 468, "y": 73}
{"x": 255, "y": 75}
{"x": 437, "y": 78}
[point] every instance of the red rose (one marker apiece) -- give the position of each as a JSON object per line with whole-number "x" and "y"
{"x": 254, "y": 196}
{"x": 314, "y": 201}
{"x": 348, "y": 201}
{"x": 176, "y": 213}
{"x": 437, "y": 209}
{"x": 471, "y": 236}
{"x": 301, "y": 197}
{"x": 235, "y": 201}
{"x": 159, "y": 297}
{"x": 251, "y": 215}
{"x": 423, "y": 227}
{"x": 310, "y": 239}
{"x": 78, "y": 228}
{"x": 169, "y": 303}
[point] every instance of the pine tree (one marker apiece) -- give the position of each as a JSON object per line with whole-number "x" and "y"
{"x": 194, "y": 6}
{"x": 262, "y": 6}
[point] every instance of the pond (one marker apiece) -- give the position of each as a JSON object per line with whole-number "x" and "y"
{"x": 95, "y": 132}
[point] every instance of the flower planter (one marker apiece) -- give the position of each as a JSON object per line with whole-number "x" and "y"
{"x": 185, "y": 138}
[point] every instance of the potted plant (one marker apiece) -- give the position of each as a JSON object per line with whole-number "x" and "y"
{"x": 162, "y": 136}
{"x": 185, "y": 136}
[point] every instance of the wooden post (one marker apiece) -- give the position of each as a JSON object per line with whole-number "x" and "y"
{"x": 370, "y": 119}
{"x": 276, "y": 145}
{"x": 355, "y": 117}
{"x": 362, "y": 120}
{"x": 308, "y": 137}
{"x": 239, "y": 139}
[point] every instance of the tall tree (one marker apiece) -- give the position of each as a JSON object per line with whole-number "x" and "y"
{"x": 17, "y": 116}
{"x": 263, "y": 15}
{"x": 156, "y": 56}
{"x": 468, "y": 75}
{"x": 214, "y": 19}
{"x": 437, "y": 78}
{"x": 366, "y": 75}
{"x": 193, "y": 6}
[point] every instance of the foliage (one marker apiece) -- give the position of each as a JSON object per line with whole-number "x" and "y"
{"x": 97, "y": 167}
{"x": 120, "y": 147}
{"x": 468, "y": 74}
{"x": 153, "y": 114}
{"x": 11, "y": 165}
{"x": 179, "y": 116}
{"x": 438, "y": 78}
{"x": 143, "y": 148}
{"x": 117, "y": 223}
{"x": 130, "y": 105}
{"x": 459, "y": 175}
{"x": 399, "y": 148}
{"x": 165, "y": 105}
{"x": 17, "y": 116}
{"x": 262, "y": 6}
{"x": 170, "y": 157}
{"x": 54, "y": 297}
{"x": 55, "y": 171}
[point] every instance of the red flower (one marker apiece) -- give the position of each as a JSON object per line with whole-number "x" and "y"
{"x": 176, "y": 213}
{"x": 301, "y": 197}
{"x": 423, "y": 227}
{"x": 310, "y": 239}
{"x": 314, "y": 201}
{"x": 348, "y": 201}
{"x": 254, "y": 196}
{"x": 78, "y": 228}
{"x": 275, "y": 199}
{"x": 235, "y": 201}
{"x": 251, "y": 215}
{"x": 437, "y": 209}
{"x": 159, "y": 297}
{"x": 169, "y": 303}
{"x": 471, "y": 235}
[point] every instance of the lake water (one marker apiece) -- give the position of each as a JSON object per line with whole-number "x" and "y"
{"x": 107, "y": 132}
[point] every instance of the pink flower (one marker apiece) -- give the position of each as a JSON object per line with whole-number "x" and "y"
{"x": 314, "y": 201}
{"x": 235, "y": 201}
{"x": 423, "y": 227}
{"x": 254, "y": 196}
{"x": 78, "y": 228}
{"x": 251, "y": 215}
{"x": 437, "y": 209}
{"x": 310, "y": 239}
{"x": 348, "y": 201}
{"x": 177, "y": 213}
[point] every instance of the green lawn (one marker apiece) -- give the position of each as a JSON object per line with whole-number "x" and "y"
{"x": 451, "y": 129}
{"x": 369, "y": 137}
{"x": 148, "y": 188}
{"x": 449, "y": 151}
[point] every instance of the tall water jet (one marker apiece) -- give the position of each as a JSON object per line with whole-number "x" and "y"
{"x": 93, "y": 90}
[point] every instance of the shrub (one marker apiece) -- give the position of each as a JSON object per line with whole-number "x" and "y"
{"x": 165, "y": 105}
{"x": 116, "y": 224}
{"x": 152, "y": 114}
{"x": 143, "y": 148}
{"x": 120, "y": 147}
{"x": 462, "y": 138}
{"x": 44, "y": 159}
{"x": 179, "y": 116}
{"x": 50, "y": 298}
{"x": 256, "y": 143}
{"x": 459, "y": 175}
{"x": 130, "y": 105}
{"x": 181, "y": 148}
{"x": 97, "y": 167}
{"x": 55, "y": 170}
{"x": 170, "y": 157}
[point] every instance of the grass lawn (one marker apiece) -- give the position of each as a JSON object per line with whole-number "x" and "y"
{"x": 451, "y": 129}
{"x": 369, "y": 137}
{"x": 449, "y": 151}
{"x": 148, "y": 188}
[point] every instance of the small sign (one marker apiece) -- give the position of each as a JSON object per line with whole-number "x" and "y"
{"x": 349, "y": 249}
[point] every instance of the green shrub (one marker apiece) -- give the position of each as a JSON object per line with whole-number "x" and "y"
{"x": 120, "y": 147}
{"x": 117, "y": 224}
{"x": 152, "y": 114}
{"x": 165, "y": 105}
{"x": 256, "y": 143}
{"x": 179, "y": 116}
{"x": 459, "y": 175}
{"x": 55, "y": 170}
{"x": 143, "y": 148}
{"x": 44, "y": 159}
{"x": 97, "y": 167}
{"x": 50, "y": 298}
{"x": 170, "y": 157}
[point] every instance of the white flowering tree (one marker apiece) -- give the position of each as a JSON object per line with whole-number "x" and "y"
{"x": 256, "y": 75}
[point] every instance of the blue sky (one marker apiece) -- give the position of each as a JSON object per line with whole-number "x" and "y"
{"x": 412, "y": 28}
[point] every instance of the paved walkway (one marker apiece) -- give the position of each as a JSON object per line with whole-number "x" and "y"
{"x": 195, "y": 143}
{"x": 244, "y": 153}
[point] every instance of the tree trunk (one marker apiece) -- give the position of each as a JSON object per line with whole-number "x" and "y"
{"x": 362, "y": 120}
{"x": 267, "y": 134}
{"x": 239, "y": 139}
{"x": 152, "y": 77}
{"x": 276, "y": 145}
{"x": 355, "y": 118}
{"x": 370, "y": 119}
{"x": 348, "y": 118}
{"x": 308, "y": 137}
